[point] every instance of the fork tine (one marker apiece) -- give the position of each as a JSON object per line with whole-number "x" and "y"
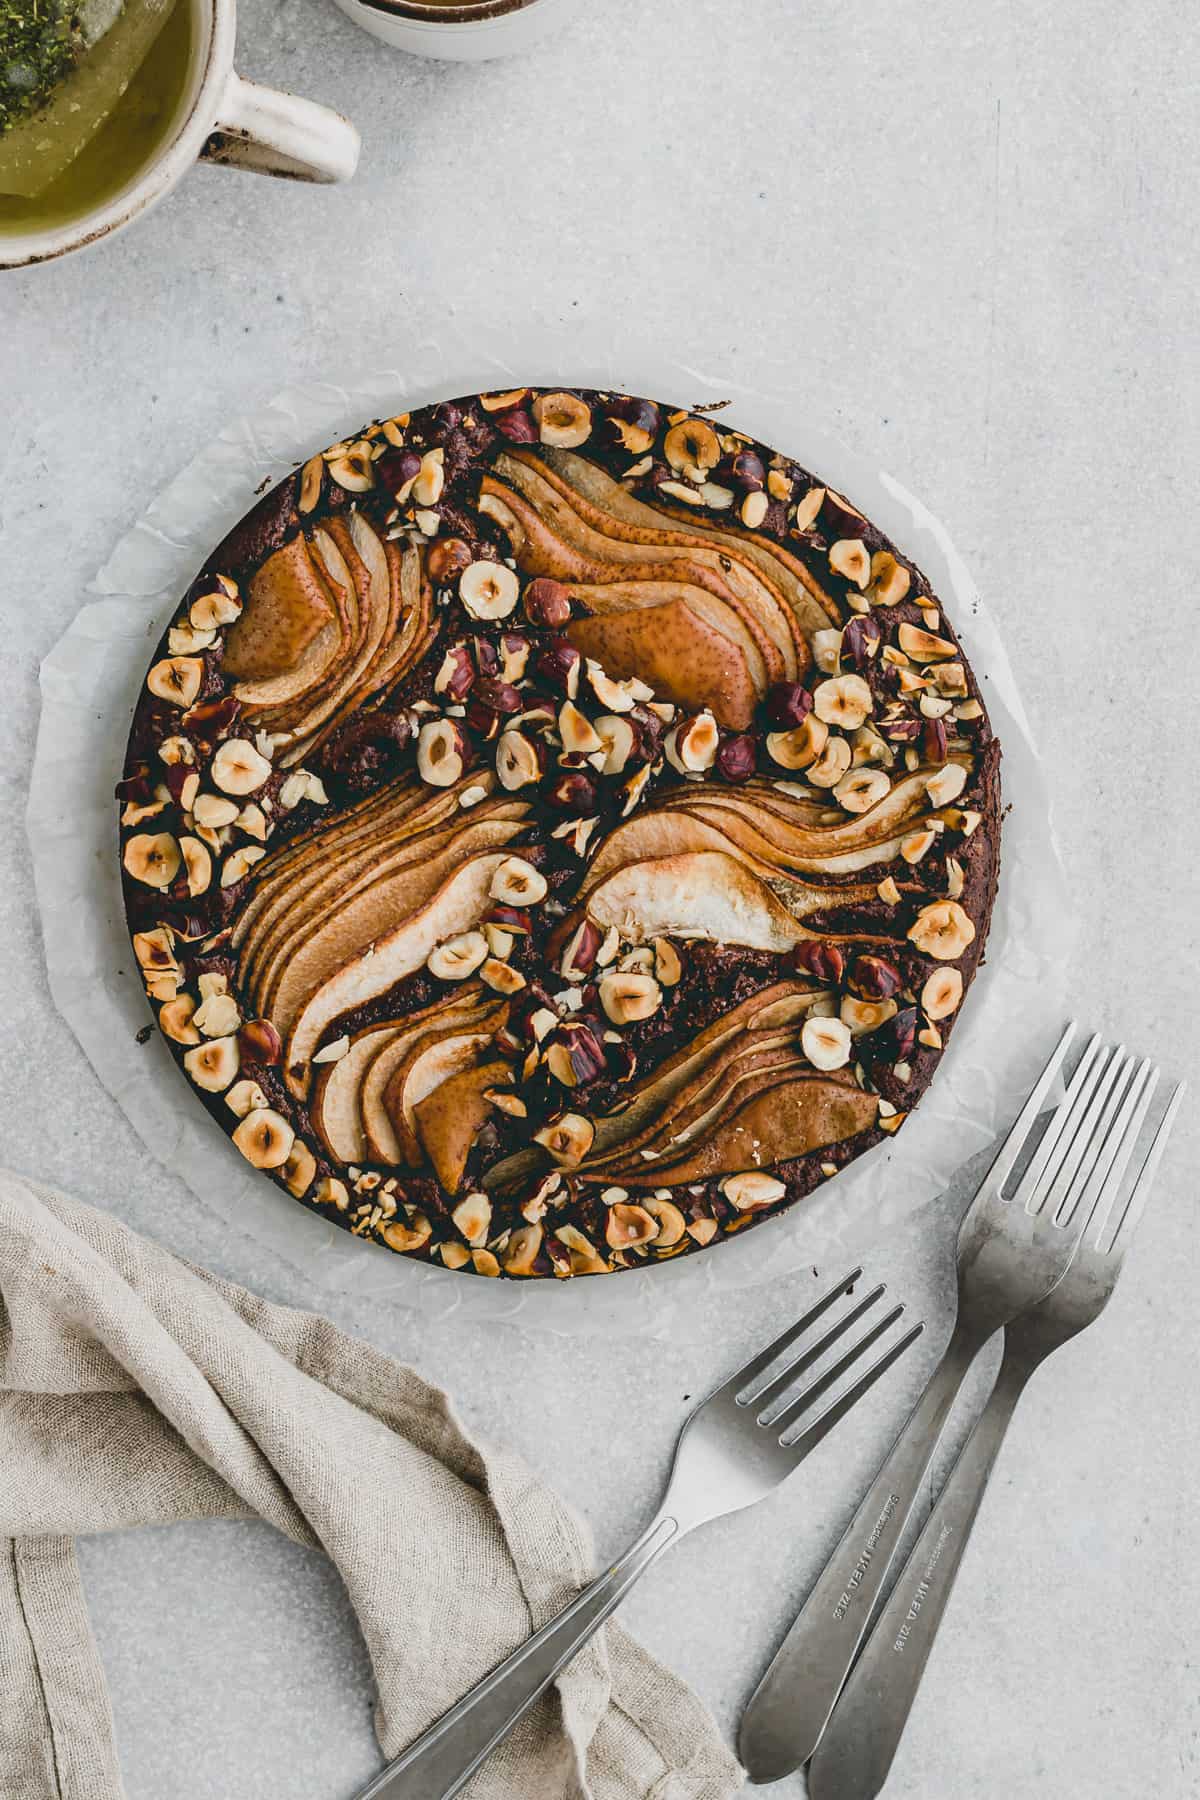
{"x": 1109, "y": 1135}
{"x": 787, "y": 1415}
{"x": 1065, "y": 1118}
{"x": 750, "y": 1371}
{"x": 1010, "y": 1149}
{"x": 806, "y": 1357}
{"x": 835, "y": 1412}
{"x": 1112, "y": 1233}
{"x": 1075, "y": 1153}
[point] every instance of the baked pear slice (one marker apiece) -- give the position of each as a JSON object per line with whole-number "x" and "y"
{"x": 708, "y": 894}
{"x": 334, "y": 1107}
{"x": 408, "y": 1071}
{"x": 684, "y": 657}
{"x": 289, "y": 633}
{"x": 352, "y": 965}
{"x": 449, "y": 1119}
{"x": 776, "y": 1125}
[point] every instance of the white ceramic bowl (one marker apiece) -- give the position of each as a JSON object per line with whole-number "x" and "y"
{"x": 469, "y": 33}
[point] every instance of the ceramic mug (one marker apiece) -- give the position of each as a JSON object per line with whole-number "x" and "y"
{"x": 466, "y": 32}
{"x": 222, "y": 119}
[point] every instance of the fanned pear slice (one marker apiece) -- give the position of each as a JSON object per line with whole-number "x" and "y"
{"x": 450, "y": 1039}
{"x": 353, "y": 965}
{"x": 782, "y": 1004}
{"x": 812, "y": 608}
{"x": 334, "y": 1106}
{"x": 373, "y": 589}
{"x": 775, "y": 1126}
{"x": 626, "y": 596}
{"x": 682, "y": 656}
{"x": 289, "y": 631}
{"x": 448, "y": 1120}
{"x": 707, "y": 894}
{"x": 627, "y": 558}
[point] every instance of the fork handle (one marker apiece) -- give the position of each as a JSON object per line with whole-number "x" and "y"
{"x": 855, "y": 1754}
{"x": 792, "y": 1703}
{"x": 440, "y": 1762}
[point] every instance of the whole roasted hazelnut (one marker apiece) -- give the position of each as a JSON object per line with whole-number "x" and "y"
{"x": 547, "y": 602}
{"x": 933, "y": 741}
{"x": 259, "y": 1042}
{"x": 207, "y": 721}
{"x": 860, "y": 641}
{"x": 573, "y": 791}
{"x": 398, "y": 469}
{"x": 517, "y": 427}
{"x": 446, "y": 558}
{"x": 631, "y": 423}
{"x": 824, "y": 961}
{"x": 559, "y": 665}
{"x": 788, "y": 704}
{"x": 875, "y": 978}
{"x": 744, "y": 469}
{"x": 894, "y": 1041}
{"x": 737, "y": 757}
{"x": 497, "y": 696}
{"x": 447, "y": 416}
{"x": 838, "y": 517}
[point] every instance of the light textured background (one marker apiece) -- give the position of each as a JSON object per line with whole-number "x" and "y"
{"x": 974, "y": 232}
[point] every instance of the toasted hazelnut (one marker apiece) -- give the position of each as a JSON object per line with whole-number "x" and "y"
{"x": 585, "y": 1259}
{"x": 862, "y": 789}
{"x": 177, "y": 679}
{"x": 458, "y": 957}
{"x": 827, "y": 650}
{"x": 923, "y": 646}
{"x": 691, "y": 746}
{"x": 260, "y": 1042}
{"x": 236, "y": 867}
{"x": 617, "y": 696}
{"x": 514, "y": 656}
{"x": 627, "y": 1225}
{"x": 843, "y": 700}
{"x": 950, "y": 678}
{"x": 332, "y": 1192}
{"x": 752, "y": 1189}
{"x": 214, "y": 811}
{"x": 562, "y": 419}
{"x": 917, "y": 844}
{"x": 440, "y": 749}
{"x": 941, "y": 994}
{"x": 702, "y": 1231}
{"x": 221, "y": 606}
{"x": 863, "y": 1016}
{"x": 833, "y": 762}
{"x": 198, "y": 863}
{"x": 265, "y": 1138}
{"x": 826, "y": 1043}
{"x": 618, "y": 738}
{"x": 152, "y": 860}
{"x": 942, "y": 930}
{"x": 667, "y": 966}
{"x": 667, "y": 1217}
{"x": 686, "y": 496}
{"x": 446, "y": 559}
{"x": 955, "y": 878}
{"x": 800, "y": 748}
{"x": 807, "y": 509}
{"x": 355, "y": 469}
{"x": 628, "y": 996}
{"x": 717, "y": 497}
{"x": 579, "y": 737}
{"x": 693, "y": 447}
{"x": 237, "y": 767}
{"x": 737, "y": 757}
{"x": 518, "y": 760}
{"x": 244, "y": 1096}
{"x": 890, "y": 580}
{"x": 505, "y": 1102}
{"x": 430, "y": 478}
{"x": 547, "y": 602}
{"x": 502, "y": 402}
{"x": 560, "y": 664}
{"x": 753, "y": 510}
{"x": 788, "y": 704}
{"x": 850, "y": 558}
{"x": 823, "y": 961}
{"x": 414, "y": 1234}
{"x": 473, "y": 1217}
{"x": 574, "y": 1055}
{"x": 489, "y": 590}
{"x": 501, "y": 977}
{"x": 517, "y": 883}
{"x": 217, "y": 1016}
{"x": 521, "y": 1251}
{"x": 311, "y": 477}
{"x": 164, "y": 986}
{"x": 568, "y": 1138}
{"x": 155, "y": 949}
{"x": 333, "y": 1051}
{"x": 212, "y": 1066}
{"x": 512, "y": 919}
{"x": 888, "y": 892}
{"x": 583, "y": 947}
{"x": 299, "y": 1169}
{"x": 456, "y": 674}
{"x": 947, "y": 784}
{"x": 185, "y": 640}
{"x": 175, "y": 1019}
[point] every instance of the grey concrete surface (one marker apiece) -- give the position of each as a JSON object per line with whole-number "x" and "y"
{"x": 973, "y": 230}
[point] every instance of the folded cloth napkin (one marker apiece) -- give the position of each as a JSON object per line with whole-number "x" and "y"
{"x": 135, "y": 1389}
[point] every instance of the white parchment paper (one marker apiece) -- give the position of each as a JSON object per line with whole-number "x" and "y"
{"x": 89, "y": 683}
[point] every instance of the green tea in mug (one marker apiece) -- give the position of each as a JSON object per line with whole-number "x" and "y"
{"x": 88, "y": 93}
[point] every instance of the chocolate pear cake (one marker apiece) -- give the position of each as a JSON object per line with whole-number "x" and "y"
{"x": 558, "y": 831}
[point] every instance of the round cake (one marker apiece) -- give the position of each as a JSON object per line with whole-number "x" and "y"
{"x": 558, "y": 831}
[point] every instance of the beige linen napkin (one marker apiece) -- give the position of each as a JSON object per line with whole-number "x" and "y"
{"x": 136, "y": 1389}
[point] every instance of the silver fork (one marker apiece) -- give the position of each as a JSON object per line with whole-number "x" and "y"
{"x": 1010, "y": 1254}
{"x": 855, "y": 1754}
{"x": 738, "y": 1446}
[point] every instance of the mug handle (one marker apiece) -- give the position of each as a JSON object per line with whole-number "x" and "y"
{"x": 270, "y": 133}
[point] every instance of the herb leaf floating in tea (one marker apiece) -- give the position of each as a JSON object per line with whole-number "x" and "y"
{"x": 63, "y": 71}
